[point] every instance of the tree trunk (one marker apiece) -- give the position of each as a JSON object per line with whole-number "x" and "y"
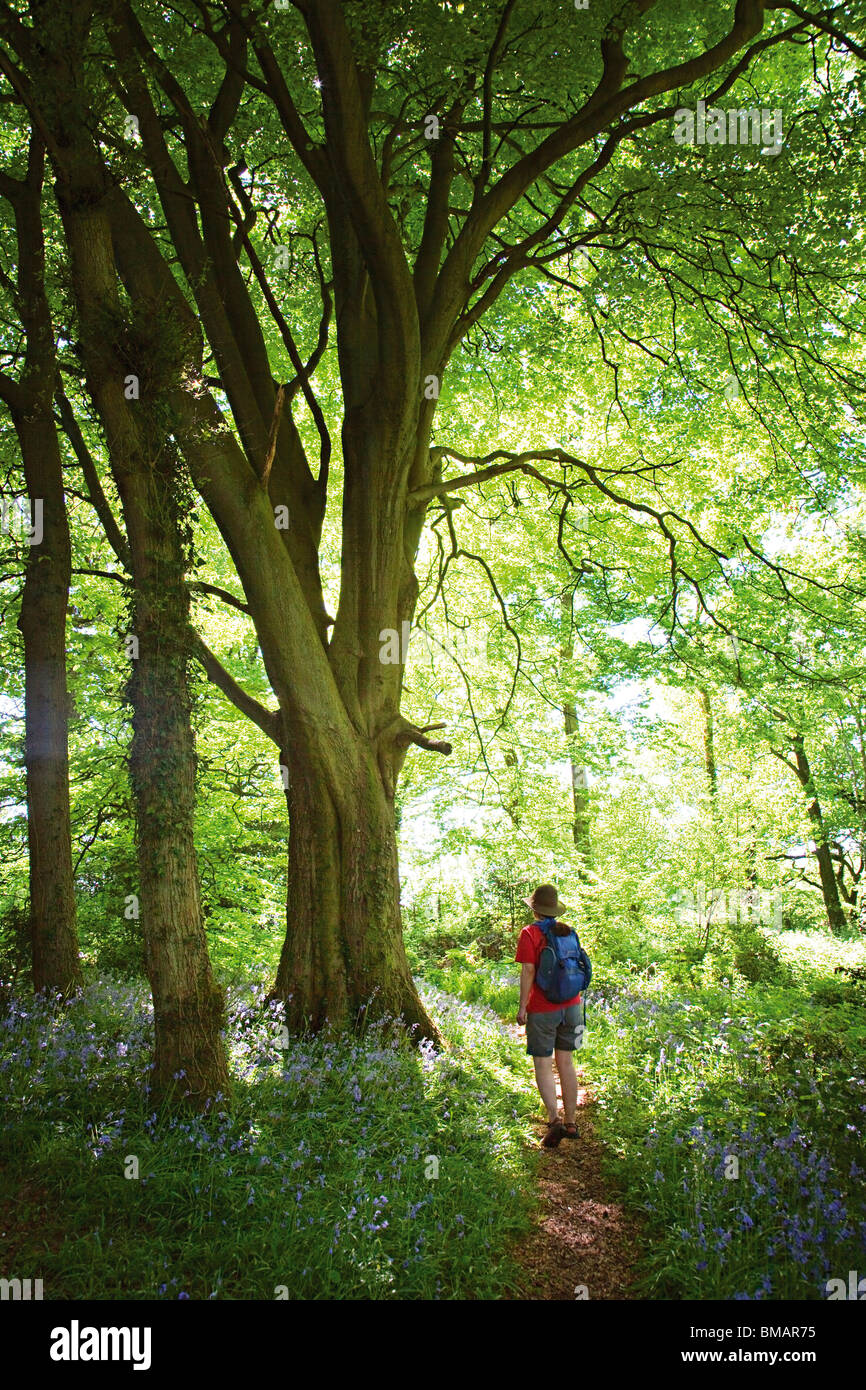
{"x": 56, "y": 963}
{"x": 829, "y": 887}
{"x": 580, "y": 825}
{"x": 188, "y": 1005}
{"x": 343, "y": 959}
{"x": 709, "y": 742}
{"x": 54, "y": 939}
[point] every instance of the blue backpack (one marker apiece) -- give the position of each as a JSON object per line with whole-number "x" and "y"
{"x": 564, "y": 968}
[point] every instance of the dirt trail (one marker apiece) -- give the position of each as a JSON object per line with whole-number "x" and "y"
{"x": 582, "y": 1235}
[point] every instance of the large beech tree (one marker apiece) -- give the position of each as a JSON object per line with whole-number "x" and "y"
{"x": 409, "y": 162}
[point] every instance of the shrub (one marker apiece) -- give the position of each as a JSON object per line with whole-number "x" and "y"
{"x": 753, "y": 954}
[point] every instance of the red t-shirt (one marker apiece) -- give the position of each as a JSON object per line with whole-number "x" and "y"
{"x": 529, "y": 948}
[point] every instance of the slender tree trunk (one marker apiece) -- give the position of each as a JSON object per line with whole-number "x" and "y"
{"x": 752, "y": 895}
{"x": 829, "y": 887}
{"x": 54, "y": 939}
{"x": 56, "y": 962}
{"x": 580, "y": 825}
{"x": 709, "y": 742}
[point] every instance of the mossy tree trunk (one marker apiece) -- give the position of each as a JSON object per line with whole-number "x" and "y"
{"x": 343, "y": 957}
{"x": 126, "y": 362}
{"x": 188, "y": 1004}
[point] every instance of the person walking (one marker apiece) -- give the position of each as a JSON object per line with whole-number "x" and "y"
{"x": 551, "y": 1029}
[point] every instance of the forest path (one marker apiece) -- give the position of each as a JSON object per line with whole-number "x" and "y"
{"x": 582, "y": 1235}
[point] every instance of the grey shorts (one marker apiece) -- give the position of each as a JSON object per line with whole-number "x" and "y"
{"x": 561, "y": 1029}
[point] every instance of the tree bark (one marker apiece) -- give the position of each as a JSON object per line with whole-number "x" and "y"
{"x": 44, "y": 603}
{"x": 343, "y": 959}
{"x": 56, "y": 962}
{"x": 188, "y": 1004}
{"x": 580, "y": 825}
{"x": 709, "y": 742}
{"x": 829, "y": 887}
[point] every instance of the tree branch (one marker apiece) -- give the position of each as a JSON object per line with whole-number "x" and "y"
{"x": 97, "y": 497}
{"x": 821, "y": 21}
{"x": 267, "y": 720}
{"x": 517, "y": 464}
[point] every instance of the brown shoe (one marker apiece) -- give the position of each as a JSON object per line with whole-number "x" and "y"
{"x": 555, "y": 1131}
{"x": 569, "y": 1131}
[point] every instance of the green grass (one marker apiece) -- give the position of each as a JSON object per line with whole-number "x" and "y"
{"x": 493, "y": 984}
{"x": 319, "y": 1181}
{"x": 318, "y": 1184}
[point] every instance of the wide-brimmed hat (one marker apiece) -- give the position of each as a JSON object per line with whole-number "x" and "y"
{"x": 545, "y": 900}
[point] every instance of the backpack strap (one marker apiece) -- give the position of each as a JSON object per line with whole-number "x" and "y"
{"x": 545, "y": 926}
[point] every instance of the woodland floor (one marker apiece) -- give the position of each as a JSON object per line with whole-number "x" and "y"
{"x": 583, "y": 1235}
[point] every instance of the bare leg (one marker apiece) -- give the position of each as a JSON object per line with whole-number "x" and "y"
{"x": 568, "y": 1083}
{"x": 546, "y": 1083}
